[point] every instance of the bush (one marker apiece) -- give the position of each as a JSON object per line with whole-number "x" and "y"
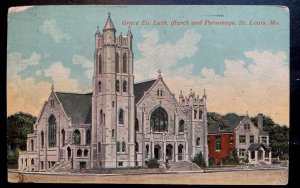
{"x": 199, "y": 160}
{"x": 152, "y": 163}
{"x": 233, "y": 158}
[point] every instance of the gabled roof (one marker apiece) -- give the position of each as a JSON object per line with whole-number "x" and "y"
{"x": 140, "y": 88}
{"x": 257, "y": 145}
{"x": 228, "y": 122}
{"x": 78, "y": 107}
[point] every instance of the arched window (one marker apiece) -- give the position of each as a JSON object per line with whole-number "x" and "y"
{"x": 200, "y": 114}
{"x": 99, "y": 86}
{"x": 136, "y": 124}
{"x": 88, "y": 137}
{"x": 76, "y": 137}
{"x": 158, "y": 92}
{"x": 63, "y": 133}
{"x": 181, "y": 126}
{"x": 79, "y": 153}
{"x": 32, "y": 145}
{"x": 100, "y": 64}
{"x": 121, "y": 116}
{"x": 117, "y": 63}
{"x": 86, "y": 152}
{"x": 42, "y": 138}
{"x": 159, "y": 120}
{"x": 118, "y": 146}
{"x": 195, "y": 114}
{"x": 32, "y": 161}
{"x": 117, "y": 86}
{"x": 101, "y": 116}
{"x": 147, "y": 151}
{"x": 52, "y": 131}
{"x": 99, "y": 147}
{"x": 124, "y": 63}
{"x": 161, "y": 92}
{"x": 124, "y": 86}
{"x": 136, "y": 147}
{"x": 198, "y": 141}
{"x": 123, "y": 147}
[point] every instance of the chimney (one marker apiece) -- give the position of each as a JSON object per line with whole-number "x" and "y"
{"x": 260, "y": 120}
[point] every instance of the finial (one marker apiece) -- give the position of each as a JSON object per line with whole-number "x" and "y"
{"x": 159, "y": 73}
{"x": 204, "y": 94}
{"x": 52, "y": 88}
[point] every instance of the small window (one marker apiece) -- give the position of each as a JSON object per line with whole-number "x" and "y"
{"x": 247, "y": 127}
{"x": 251, "y": 139}
{"x": 124, "y": 86}
{"x": 123, "y": 147}
{"x": 198, "y": 141}
{"x": 113, "y": 103}
{"x": 113, "y": 133}
{"x": 231, "y": 139}
{"x": 218, "y": 142}
{"x": 99, "y": 86}
{"x": 136, "y": 125}
{"x": 121, "y": 116}
{"x": 181, "y": 126}
{"x": 79, "y": 153}
{"x": 118, "y": 146}
{"x": 161, "y": 92}
{"x": 264, "y": 140}
{"x": 136, "y": 147}
{"x": 195, "y": 114}
{"x": 158, "y": 92}
{"x": 200, "y": 114}
{"x": 124, "y": 63}
{"x": 42, "y": 165}
{"x": 117, "y": 86}
{"x": 99, "y": 147}
{"x": 242, "y": 152}
{"x": 76, "y": 137}
{"x": 120, "y": 163}
{"x": 86, "y": 152}
{"x": 242, "y": 139}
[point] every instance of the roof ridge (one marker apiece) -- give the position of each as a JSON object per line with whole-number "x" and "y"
{"x": 73, "y": 93}
{"x": 144, "y": 81}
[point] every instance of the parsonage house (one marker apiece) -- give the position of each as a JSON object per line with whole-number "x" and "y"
{"x": 120, "y": 123}
{"x": 239, "y": 133}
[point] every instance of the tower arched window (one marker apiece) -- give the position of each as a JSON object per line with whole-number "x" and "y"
{"x": 88, "y": 137}
{"x": 117, "y": 86}
{"x": 86, "y": 152}
{"x": 42, "y": 138}
{"x": 100, "y": 64}
{"x": 63, "y": 133}
{"x": 52, "y": 131}
{"x": 198, "y": 141}
{"x": 99, "y": 86}
{"x": 136, "y": 124}
{"x": 117, "y": 63}
{"x": 123, "y": 147}
{"x": 76, "y": 137}
{"x": 181, "y": 125}
{"x": 195, "y": 114}
{"x": 200, "y": 114}
{"x": 101, "y": 117}
{"x": 124, "y": 63}
{"x": 32, "y": 145}
{"x": 99, "y": 147}
{"x": 159, "y": 120}
{"x": 124, "y": 86}
{"x": 121, "y": 116}
{"x": 136, "y": 147}
{"x": 79, "y": 153}
{"x": 118, "y": 146}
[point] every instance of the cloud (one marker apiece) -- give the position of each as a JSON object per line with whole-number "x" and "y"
{"x": 163, "y": 56}
{"x": 60, "y": 76}
{"x": 16, "y": 64}
{"x": 18, "y": 9}
{"x": 28, "y": 94}
{"x": 85, "y": 63}
{"x": 259, "y": 87}
{"x": 49, "y": 27}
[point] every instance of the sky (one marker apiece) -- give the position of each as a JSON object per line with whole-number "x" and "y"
{"x": 233, "y": 52}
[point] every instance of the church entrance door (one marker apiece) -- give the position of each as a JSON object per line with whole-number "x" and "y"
{"x": 180, "y": 150}
{"x": 157, "y": 152}
{"x": 169, "y": 152}
{"x": 69, "y": 153}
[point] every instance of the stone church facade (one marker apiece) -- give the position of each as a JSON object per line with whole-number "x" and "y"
{"x": 119, "y": 124}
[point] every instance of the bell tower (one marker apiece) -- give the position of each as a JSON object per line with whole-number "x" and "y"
{"x": 113, "y": 99}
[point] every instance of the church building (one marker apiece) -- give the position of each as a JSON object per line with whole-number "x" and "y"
{"x": 121, "y": 123}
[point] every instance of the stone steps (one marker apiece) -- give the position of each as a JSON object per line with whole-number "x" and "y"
{"x": 183, "y": 166}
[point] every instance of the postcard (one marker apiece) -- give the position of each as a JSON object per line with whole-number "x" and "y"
{"x": 156, "y": 94}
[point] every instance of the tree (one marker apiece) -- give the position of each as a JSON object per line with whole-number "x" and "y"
{"x": 152, "y": 163}
{"x": 199, "y": 160}
{"x": 18, "y": 126}
{"x": 213, "y": 117}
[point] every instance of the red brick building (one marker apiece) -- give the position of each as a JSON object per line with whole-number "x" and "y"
{"x": 221, "y": 138}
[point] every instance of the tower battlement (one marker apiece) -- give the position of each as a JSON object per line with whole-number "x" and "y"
{"x": 191, "y": 99}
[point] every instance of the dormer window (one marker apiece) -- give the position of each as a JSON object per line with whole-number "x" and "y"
{"x": 52, "y": 102}
{"x": 222, "y": 127}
